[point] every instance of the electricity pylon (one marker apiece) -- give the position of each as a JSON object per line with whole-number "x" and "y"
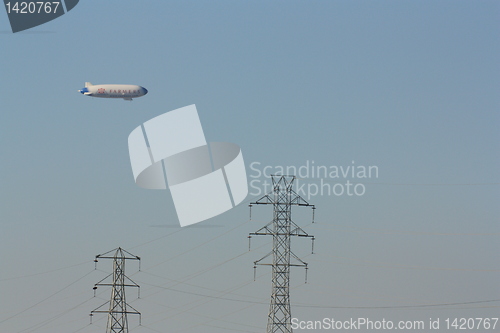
{"x": 117, "y": 312}
{"x": 281, "y": 228}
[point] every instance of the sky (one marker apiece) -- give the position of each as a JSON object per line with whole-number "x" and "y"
{"x": 410, "y": 88}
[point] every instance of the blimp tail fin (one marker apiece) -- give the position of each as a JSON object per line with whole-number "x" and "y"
{"x": 88, "y": 84}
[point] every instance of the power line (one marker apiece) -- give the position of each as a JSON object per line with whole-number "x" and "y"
{"x": 397, "y": 306}
{"x": 302, "y": 305}
{"x": 156, "y": 239}
{"x": 42, "y": 273}
{"x": 46, "y": 298}
{"x": 343, "y": 228}
{"x": 377, "y": 264}
{"x": 42, "y": 324}
{"x": 199, "y": 245}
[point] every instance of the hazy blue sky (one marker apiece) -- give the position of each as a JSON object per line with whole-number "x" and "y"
{"x": 411, "y": 87}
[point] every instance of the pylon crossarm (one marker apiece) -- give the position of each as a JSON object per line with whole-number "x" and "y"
{"x": 119, "y": 312}
{"x": 297, "y": 200}
{"x": 298, "y": 265}
{"x": 265, "y": 228}
{"x": 99, "y": 283}
{"x": 265, "y": 200}
{"x": 134, "y": 284}
{"x": 121, "y": 285}
{"x": 260, "y": 233}
{"x": 128, "y": 258}
{"x": 103, "y": 254}
{"x": 297, "y": 231}
{"x": 300, "y": 235}
{"x": 136, "y": 312}
{"x": 134, "y": 256}
{"x": 302, "y": 263}
{"x": 100, "y": 306}
{"x": 118, "y": 249}
{"x": 264, "y": 257}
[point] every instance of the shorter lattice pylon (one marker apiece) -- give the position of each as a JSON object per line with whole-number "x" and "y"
{"x": 118, "y": 307}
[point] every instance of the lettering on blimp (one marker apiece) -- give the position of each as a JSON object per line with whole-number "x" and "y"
{"x": 119, "y": 91}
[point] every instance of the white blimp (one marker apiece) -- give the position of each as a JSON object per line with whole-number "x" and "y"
{"x": 125, "y": 91}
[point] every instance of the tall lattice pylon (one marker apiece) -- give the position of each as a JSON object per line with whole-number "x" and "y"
{"x": 117, "y": 311}
{"x": 282, "y": 228}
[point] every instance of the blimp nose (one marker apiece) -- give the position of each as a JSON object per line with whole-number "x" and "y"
{"x": 145, "y": 91}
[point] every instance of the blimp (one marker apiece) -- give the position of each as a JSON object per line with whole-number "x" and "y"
{"x": 125, "y": 91}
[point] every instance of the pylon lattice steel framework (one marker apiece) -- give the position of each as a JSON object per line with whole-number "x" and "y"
{"x": 117, "y": 312}
{"x": 281, "y": 228}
